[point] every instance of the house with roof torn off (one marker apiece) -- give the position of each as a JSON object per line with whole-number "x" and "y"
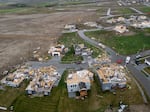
{"x": 111, "y": 76}
{"x": 143, "y": 24}
{"x": 16, "y": 78}
{"x": 43, "y": 79}
{"x": 56, "y": 50}
{"x": 80, "y": 81}
{"x": 121, "y": 29}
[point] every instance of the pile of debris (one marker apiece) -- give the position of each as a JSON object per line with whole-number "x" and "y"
{"x": 91, "y": 24}
{"x": 102, "y": 59}
{"x": 57, "y": 50}
{"x": 112, "y": 76}
{"x": 43, "y": 79}
{"x": 116, "y": 20}
{"x": 70, "y": 27}
{"x": 16, "y": 78}
{"x": 143, "y": 24}
{"x": 121, "y": 29}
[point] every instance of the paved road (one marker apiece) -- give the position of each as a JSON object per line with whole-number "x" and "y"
{"x": 55, "y": 61}
{"x": 141, "y": 78}
{"x": 139, "y": 12}
{"x": 123, "y": 3}
{"x": 112, "y": 53}
{"x": 108, "y": 12}
{"x": 145, "y": 82}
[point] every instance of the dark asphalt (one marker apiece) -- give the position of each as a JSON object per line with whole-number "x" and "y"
{"x": 141, "y": 78}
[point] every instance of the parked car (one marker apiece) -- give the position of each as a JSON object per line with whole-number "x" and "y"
{"x": 127, "y": 59}
{"x": 119, "y": 61}
{"x": 138, "y": 56}
{"x": 101, "y": 45}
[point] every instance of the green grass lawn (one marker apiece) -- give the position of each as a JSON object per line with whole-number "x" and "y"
{"x": 58, "y": 101}
{"x": 12, "y": 10}
{"x": 124, "y": 11}
{"x": 147, "y": 30}
{"x": 147, "y": 70}
{"x": 70, "y": 57}
{"x": 69, "y": 39}
{"x": 10, "y": 94}
{"x": 145, "y": 9}
{"x": 122, "y": 44}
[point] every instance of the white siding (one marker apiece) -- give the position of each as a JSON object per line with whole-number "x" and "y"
{"x": 72, "y": 87}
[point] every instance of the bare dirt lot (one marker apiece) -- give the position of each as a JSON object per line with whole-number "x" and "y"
{"x": 21, "y": 34}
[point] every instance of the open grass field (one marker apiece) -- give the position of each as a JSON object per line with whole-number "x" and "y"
{"x": 70, "y": 39}
{"x": 147, "y": 30}
{"x": 122, "y": 10}
{"x": 145, "y": 9}
{"x": 9, "y": 11}
{"x": 147, "y": 70}
{"x": 122, "y": 44}
{"x": 58, "y": 101}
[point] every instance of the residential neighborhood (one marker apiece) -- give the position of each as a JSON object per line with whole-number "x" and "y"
{"x": 75, "y": 56}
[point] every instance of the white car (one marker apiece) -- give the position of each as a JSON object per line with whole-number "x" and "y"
{"x": 101, "y": 45}
{"x": 128, "y": 59}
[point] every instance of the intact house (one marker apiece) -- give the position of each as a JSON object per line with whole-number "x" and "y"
{"x": 121, "y": 29}
{"x": 16, "y": 78}
{"x": 147, "y": 61}
{"x": 56, "y": 50}
{"x": 80, "y": 81}
{"x": 43, "y": 80}
{"x": 111, "y": 76}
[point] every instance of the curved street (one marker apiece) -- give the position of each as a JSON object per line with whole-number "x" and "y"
{"x": 139, "y": 76}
